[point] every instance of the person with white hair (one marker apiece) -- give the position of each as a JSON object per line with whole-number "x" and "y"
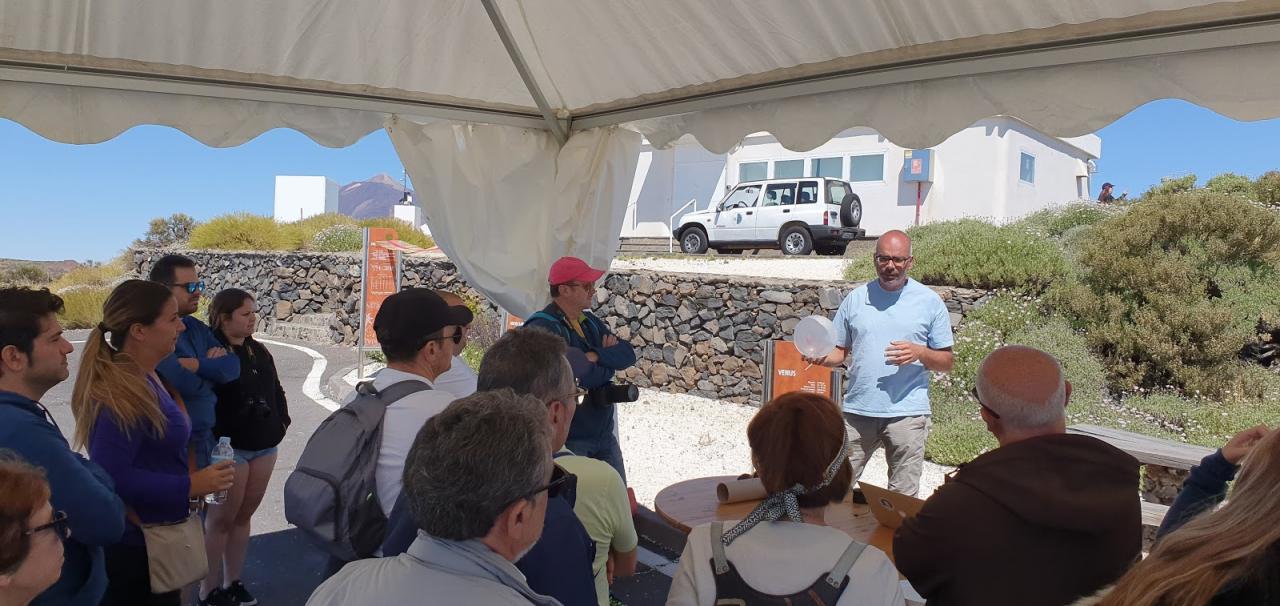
{"x": 1044, "y": 519}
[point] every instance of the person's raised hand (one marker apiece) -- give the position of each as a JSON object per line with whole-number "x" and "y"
{"x": 1240, "y": 444}
{"x": 219, "y": 476}
{"x": 901, "y": 353}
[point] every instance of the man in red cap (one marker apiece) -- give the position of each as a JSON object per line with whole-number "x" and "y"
{"x": 595, "y": 353}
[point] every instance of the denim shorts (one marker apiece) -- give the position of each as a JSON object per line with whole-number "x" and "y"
{"x": 244, "y": 456}
{"x": 201, "y": 444}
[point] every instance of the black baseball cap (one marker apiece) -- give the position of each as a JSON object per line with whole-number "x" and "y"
{"x": 1106, "y": 185}
{"x": 413, "y": 314}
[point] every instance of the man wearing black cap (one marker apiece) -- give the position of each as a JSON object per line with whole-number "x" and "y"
{"x": 417, "y": 331}
{"x": 1105, "y": 197}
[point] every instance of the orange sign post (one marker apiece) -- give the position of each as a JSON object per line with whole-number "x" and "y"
{"x": 380, "y": 279}
{"x": 512, "y": 321}
{"x": 785, "y": 372}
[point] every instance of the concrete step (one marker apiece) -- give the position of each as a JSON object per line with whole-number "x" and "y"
{"x": 321, "y": 320}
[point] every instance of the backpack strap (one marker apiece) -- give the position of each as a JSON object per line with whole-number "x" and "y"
{"x": 556, "y": 323}
{"x": 394, "y": 391}
{"x": 835, "y": 578}
{"x": 718, "y": 559}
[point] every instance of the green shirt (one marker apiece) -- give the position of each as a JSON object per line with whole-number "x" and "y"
{"x": 605, "y": 510}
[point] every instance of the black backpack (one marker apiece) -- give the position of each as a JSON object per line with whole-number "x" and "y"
{"x": 332, "y": 494}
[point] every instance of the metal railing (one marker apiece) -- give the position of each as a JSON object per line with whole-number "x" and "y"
{"x": 671, "y": 225}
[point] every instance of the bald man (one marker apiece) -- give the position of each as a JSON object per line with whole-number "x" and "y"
{"x": 1044, "y": 519}
{"x": 894, "y": 331}
{"x": 460, "y": 379}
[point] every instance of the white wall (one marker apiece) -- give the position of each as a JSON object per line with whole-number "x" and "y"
{"x": 666, "y": 180}
{"x": 299, "y": 197}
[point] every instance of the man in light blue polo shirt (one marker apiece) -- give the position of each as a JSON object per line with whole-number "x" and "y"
{"x": 897, "y": 330}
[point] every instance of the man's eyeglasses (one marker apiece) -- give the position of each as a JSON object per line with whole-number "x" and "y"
{"x": 192, "y": 287}
{"x": 561, "y": 482}
{"x": 886, "y": 259}
{"x": 974, "y": 393}
{"x": 575, "y": 395}
{"x": 587, "y": 286}
{"x": 58, "y": 524}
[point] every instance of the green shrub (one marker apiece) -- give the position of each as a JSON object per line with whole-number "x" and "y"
{"x": 1230, "y": 184}
{"x": 82, "y": 306}
{"x": 1007, "y": 313}
{"x": 1266, "y": 189}
{"x": 24, "y": 274}
{"x": 1056, "y": 221}
{"x": 167, "y": 232}
{"x": 1209, "y": 422}
{"x": 404, "y": 230}
{"x": 241, "y": 231}
{"x": 1170, "y": 186}
{"x": 96, "y": 276}
{"x": 975, "y": 254}
{"x": 303, "y": 233}
{"x": 1168, "y": 294}
{"x": 338, "y": 238}
{"x": 958, "y": 433}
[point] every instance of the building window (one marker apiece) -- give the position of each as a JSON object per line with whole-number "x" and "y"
{"x": 1027, "y": 168}
{"x": 753, "y": 171}
{"x": 866, "y": 168}
{"x": 788, "y": 169}
{"x": 828, "y": 167}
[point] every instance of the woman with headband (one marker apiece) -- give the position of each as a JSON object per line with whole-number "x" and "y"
{"x": 783, "y": 552}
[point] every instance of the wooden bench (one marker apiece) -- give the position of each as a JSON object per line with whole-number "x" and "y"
{"x": 1148, "y": 451}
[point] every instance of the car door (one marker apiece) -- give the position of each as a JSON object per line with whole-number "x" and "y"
{"x": 735, "y": 217}
{"x": 776, "y": 207}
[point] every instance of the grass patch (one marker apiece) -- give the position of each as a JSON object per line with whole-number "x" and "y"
{"x": 242, "y": 231}
{"x": 404, "y": 230}
{"x": 96, "y": 276}
{"x": 338, "y": 238}
{"x": 82, "y": 306}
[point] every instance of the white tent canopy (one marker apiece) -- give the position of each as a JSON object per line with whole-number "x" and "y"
{"x": 479, "y": 96}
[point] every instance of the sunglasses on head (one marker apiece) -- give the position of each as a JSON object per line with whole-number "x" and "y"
{"x": 58, "y": 524}
{"x": 192, "y": 287}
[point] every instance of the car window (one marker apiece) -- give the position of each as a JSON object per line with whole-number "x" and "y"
{"x": 745, "y": 195}
{"x": 838, "y": 190}
{"x": 808, "y": 192}
{"x": 780, "y": 194}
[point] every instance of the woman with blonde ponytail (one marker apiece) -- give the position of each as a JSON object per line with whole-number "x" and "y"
{"x": 136, "y": 430}
{"x": 1226, "y": 557}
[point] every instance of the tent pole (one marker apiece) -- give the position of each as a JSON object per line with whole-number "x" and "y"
{"x": 554, "y": 124}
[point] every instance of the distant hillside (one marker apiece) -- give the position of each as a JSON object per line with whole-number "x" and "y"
{"x": 370, "y": 198}
{"x": 55, "y": 269}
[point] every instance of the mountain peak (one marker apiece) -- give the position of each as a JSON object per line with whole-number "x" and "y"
{"x": 385, "y": 179}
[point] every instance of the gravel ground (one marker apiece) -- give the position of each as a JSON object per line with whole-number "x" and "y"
{"x": 669, "y": 437}
{"x": 817, "y": 268}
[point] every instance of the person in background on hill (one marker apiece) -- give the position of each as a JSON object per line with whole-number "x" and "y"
{"x": 254, "y": 413}
{"x": 32, "y": 534}
{"x": 783, "y": 552}
{"x": 460, "y": 379}
{"x": 1105, "y": 196}
{"x": 138, "y": 432}
{"x": 199, "y": 362}
{"x": 33, "y": 359}
{"x": 1044, "y": 519}
{"x": 894, "y": 331}
{"x": 573, "y": 286}
{"x": 1227, "y": 557}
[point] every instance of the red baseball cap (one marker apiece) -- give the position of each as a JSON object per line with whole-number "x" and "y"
{"x": 568, "y": 269}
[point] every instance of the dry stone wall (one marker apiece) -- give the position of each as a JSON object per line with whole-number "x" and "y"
{"x": 693, "y": 333}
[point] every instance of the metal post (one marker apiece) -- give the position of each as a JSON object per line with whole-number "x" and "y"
{"x": 364, "y": 292}
{"x": 919, "y": 188}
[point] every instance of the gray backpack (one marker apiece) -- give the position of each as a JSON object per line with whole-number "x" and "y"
{"x": 332, "y": 495}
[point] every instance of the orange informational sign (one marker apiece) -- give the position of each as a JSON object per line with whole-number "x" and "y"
{"x": 514, "y": 321}
{"x": 381, "y": 279}
{"x": 789, "y": 372}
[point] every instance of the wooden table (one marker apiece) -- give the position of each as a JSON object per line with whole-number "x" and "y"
{"x": 692, "y": 502}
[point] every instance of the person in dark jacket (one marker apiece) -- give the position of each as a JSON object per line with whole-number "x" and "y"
{"x": 253, "y": 412}
{"x": 573, "y": 286}
{"x": 33, "y": 359}
{"x": 1044, "y": 519}
{"x": 1227, "y": 557}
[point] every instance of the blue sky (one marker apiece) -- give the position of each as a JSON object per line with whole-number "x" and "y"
{"x": 90, "y": 201}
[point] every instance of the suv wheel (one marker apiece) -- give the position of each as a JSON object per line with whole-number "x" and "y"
{"x": 851, "y": 211}
{"x": 796, "y": 241}
{"x": 693, "y": 241}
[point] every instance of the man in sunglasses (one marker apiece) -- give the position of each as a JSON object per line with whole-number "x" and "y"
{"x": 199, "y": 361}
{"x": 479, "y": 482}
{"x": 1044, "y": 519}
{"x": 33, "y": 359}
{"x": 894, "y": 331}
{"x": 417, "y": 331}
{"x": 460, "y": 379}
{"x": 573, "y": 288}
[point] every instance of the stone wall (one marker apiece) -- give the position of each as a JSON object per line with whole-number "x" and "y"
{"x": 693, "y": 333}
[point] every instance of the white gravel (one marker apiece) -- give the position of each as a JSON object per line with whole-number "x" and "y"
{"x": 793, "y": 269}
{"x": 670, "y": 437}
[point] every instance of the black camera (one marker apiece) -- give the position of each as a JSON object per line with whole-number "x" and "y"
{"x": 621, "y": 392}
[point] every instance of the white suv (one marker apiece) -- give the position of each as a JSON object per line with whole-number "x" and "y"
{"x": 796, "y": 215}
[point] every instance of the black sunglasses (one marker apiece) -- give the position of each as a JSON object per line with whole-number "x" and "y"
{"x": 58, "y": 524}
{"x": 974, "y": 393}
{"x": 192, "y": 287}
{"x": 561, "y": 483}
{"x": 455, "y": 337}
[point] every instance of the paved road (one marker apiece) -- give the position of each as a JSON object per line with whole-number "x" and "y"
{"x": 282, "y": 567}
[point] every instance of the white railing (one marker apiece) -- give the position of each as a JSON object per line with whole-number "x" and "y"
{"x": 671, "y": 225}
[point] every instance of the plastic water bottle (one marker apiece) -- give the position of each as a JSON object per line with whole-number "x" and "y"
{"x": 222, "y": 452}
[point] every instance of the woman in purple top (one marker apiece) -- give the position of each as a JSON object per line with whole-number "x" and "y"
{"x": 135, "y": 430}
